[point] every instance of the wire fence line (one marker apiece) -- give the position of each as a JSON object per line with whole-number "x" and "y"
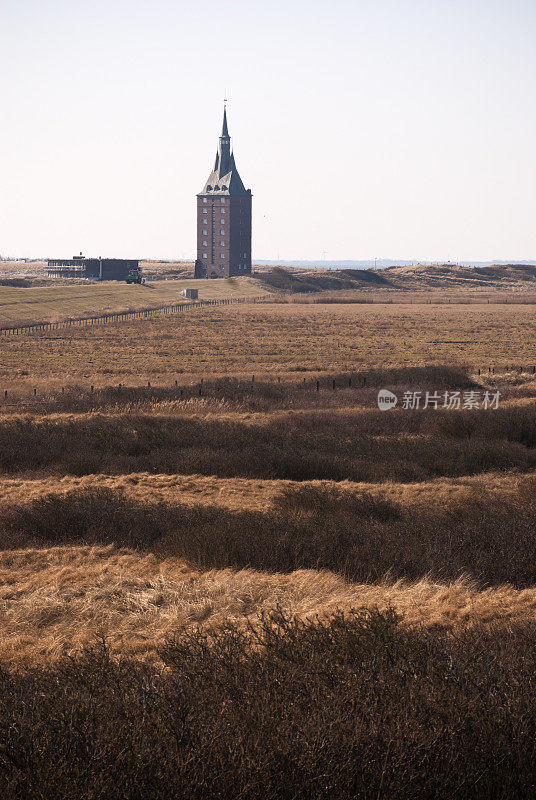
{"x": 270, "y": 386}
{"x": 123, "y": 316}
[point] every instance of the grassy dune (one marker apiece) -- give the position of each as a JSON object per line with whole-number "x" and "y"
{"x": 55, "y": 601}
{"x": 262, "y": 590}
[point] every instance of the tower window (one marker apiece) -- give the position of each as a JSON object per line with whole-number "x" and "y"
{"x": 205, "y": 200}
{"x": 222, "y": 243}
{"x": 205, "y": 211}
{"x": 222, "y": 221}
{"x": 222, "y": 255}
{"x": 204, "y": 255}
{"x": 222, "y": 233}
{"x": 204, "y": 244}
{"x": 222, "y": 211}
{"x": 223, "y": 199}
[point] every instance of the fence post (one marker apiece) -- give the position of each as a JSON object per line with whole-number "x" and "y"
{"x": 317, "y": 385}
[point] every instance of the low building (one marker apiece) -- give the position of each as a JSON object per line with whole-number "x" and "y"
{"x": 97, "y": 269}
{"x": 191, "y": 294}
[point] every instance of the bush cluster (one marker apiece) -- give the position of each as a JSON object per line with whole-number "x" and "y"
{"x": 355, "y": 706}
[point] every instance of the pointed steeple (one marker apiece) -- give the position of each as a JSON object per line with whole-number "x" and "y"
{"x": 224, "y": 178}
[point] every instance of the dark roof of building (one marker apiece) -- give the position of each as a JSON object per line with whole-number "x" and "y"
{"x": 224, "y": 178}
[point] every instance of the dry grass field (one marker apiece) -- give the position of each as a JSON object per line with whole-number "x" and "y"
{"x": 63, "y": 300}
{"x": 270, "y": 339}
{"x": 239, "y": 570}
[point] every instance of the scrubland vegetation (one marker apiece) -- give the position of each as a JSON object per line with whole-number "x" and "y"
{"x": 254, "y": 588}
{"x": 356, "y": 706}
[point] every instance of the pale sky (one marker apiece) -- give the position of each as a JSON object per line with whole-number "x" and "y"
{"x": 365, "y": 128}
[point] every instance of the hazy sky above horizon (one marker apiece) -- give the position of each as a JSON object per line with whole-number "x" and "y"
{"x": 364, "y": 128}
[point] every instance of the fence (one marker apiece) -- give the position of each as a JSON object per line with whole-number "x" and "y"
{"x": 222, "y": 387}
{"x": 123, "y": 316}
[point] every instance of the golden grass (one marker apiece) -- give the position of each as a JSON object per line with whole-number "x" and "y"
{"x": 271, "y": 339}
{"x": 257, "y": 494}
{"x": 54, "y": 601}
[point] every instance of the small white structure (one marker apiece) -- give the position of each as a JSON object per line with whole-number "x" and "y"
{"x": 191, "y": 294}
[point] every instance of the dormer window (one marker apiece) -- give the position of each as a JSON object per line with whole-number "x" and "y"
{"x": 209, "y": 188}
{"x": 216, "y": 188}
{"x": 224, "y": 188}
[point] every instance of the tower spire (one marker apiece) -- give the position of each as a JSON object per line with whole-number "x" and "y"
{"x": 224, "y": 130}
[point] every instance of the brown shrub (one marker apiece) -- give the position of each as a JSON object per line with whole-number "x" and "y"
{"x": 353, "y": 706}
{"x": 356, "y": 535}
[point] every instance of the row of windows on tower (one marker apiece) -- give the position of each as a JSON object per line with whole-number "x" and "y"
{"x": 222, "y": 201}
{"x": 222, "y": 211}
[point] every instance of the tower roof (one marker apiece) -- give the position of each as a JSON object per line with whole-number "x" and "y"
{"x": 224, "y": 178}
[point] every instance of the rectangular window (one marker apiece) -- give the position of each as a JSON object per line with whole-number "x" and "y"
{"x": 222, "y": 243}
{"x": 222, "y": 221}
{"x": 222, "y": 210}
{"x": 222, "y": 233}
{"x": 205, "y": 211}
{"x": 204, "y": 244}
{"x": 204, "y": 255}
{"x": 222, "y": 255}
{"x": 205, "y": 200}
{"x": 222, "y": 200}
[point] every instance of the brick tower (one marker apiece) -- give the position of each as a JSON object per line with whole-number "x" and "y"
{"x": 223, "y": 218}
